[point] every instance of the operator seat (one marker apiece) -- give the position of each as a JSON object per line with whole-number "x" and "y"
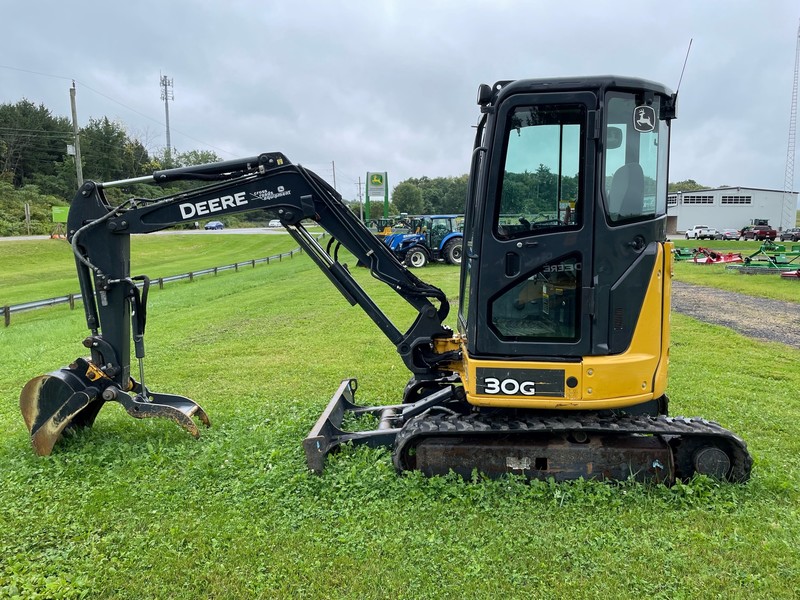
{"x": 626, "y": 196}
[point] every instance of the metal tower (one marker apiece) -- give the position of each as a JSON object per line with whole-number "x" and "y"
{"x": 166, "y": 96}
{"x": 789, "y": 207}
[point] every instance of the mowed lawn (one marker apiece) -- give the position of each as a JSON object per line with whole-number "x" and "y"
{"x": 720, "y": 276}
{"x": 139, "y": 509}
{"x": 41, "y": 269}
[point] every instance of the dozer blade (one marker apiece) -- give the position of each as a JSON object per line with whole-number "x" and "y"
{"x": 53, "y": 402}
{"x": 328, "y": 434}
{"x": 68, "y": 399}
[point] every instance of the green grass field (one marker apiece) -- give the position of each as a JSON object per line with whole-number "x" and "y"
{"x": 41, "y": 269}
{"x": 718, "y": 276}
{"x": 139, "y": 509}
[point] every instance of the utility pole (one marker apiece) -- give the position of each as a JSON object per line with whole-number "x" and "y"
{"x": 78, "y": 165}
{"x": 333, "y": 166}
{"x": 360, "y": 205}
{"x": 166, "y": 96}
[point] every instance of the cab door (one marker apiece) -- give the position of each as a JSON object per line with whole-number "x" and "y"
{"x": 529, "y": 251}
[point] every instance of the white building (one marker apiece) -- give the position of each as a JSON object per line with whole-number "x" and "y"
{"x": 730, "y": 208}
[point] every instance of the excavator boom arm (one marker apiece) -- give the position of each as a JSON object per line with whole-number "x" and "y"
{"x": 100, "y": 232}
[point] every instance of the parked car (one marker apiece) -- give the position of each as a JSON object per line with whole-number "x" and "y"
{"x": 274, "y": 223}
{"x": 791, "y": 235}
{"x": 700, "y": 232}
{"x": 727, "y": 234}
{"x": 758, "y": 232}
{"x": 215, "y": 225}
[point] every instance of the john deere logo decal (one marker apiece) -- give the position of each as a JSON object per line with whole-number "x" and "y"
{"x": 644, "y": 118}
{"x": 376, "y": 179}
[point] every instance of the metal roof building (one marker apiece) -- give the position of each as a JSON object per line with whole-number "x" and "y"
{"x": 730, "y": 208}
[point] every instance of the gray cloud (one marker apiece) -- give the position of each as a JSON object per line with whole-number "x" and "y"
{"x": 390, "y": 85}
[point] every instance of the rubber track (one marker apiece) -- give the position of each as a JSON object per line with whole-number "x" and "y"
{"x": 431, "y": 425}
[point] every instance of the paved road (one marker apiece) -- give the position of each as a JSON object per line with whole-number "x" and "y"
{"x": 759, "y": 318}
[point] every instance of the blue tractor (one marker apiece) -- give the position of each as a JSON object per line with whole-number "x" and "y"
{"x": 430, "y": 237}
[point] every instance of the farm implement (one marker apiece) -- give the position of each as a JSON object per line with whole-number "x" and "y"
{"x": 706, "y": 256}
{"x": 771, "y": 258}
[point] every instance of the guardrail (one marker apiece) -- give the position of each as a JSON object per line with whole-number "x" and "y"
{"x": 70, "y": 299}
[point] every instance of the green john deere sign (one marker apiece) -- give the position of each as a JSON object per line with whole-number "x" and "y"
{"x": 376, "y": 185}
{"x": 60, "y": 214}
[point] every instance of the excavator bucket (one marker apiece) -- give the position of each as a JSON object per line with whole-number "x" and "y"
{"x": 68, "y": 399}
{"x": 54, "y": 402}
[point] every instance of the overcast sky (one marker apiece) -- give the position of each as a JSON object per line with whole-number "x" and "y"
{"x": 390, "y": 85}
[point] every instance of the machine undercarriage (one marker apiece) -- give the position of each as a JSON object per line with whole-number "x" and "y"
{"x": 442, "y": 432}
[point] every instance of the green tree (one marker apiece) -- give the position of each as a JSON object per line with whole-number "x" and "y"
{"x": 103, "y": 150}
{"x": 32, "y": 141}
{"x": 195, "y": 157}
{"x": 407, "y": 198}
{"x": 12, "y": 210}
{"x": 376, "y": 209}
{"x": 688, "y": 185}
{"x": 456, "y": 195}
{"x": 135, "y": 158}
{"x": 439, "y": 194}
{"x": 434, "y": 192}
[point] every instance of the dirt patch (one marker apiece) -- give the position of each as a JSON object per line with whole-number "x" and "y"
{"x": 759, "y": 318}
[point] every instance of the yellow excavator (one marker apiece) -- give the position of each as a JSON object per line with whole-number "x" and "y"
{"x": 558, "y": 367}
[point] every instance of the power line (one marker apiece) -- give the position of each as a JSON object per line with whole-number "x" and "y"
{"x": 35, "y": 72}
{"x": 41, "y": 144}
{"x": 114, "y": 100}
{"x": 35, "y": 131}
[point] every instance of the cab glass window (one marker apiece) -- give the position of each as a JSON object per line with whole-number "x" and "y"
{"x": 635, "y": 158}
{"x": 541, "y": 307}
{"x": 541, "y": 185}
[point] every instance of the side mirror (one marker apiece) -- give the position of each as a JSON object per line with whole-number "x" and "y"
{"x": 613, "y": 138}
{"x": 484, "y": 94}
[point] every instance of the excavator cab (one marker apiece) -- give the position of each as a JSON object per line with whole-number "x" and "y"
{"x": 565, "y": 241}
{"x": 564, "y": 303}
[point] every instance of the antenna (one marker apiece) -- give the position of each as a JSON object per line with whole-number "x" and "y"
{"x": 685, "y": 60}
{"x": 788, "y": 181}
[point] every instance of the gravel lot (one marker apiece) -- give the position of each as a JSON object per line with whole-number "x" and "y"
{"x": 760, "y": 318}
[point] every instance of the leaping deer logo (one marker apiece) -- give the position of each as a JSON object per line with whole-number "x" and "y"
{"x": 645, "y": 118}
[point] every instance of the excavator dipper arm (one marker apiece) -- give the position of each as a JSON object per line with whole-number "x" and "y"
{"x": 115, "y": 302}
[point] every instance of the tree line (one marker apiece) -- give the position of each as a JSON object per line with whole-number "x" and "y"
{"x": 36, "y": 169}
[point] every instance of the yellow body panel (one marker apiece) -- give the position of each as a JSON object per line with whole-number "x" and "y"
{"x": 601, "y": 382}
